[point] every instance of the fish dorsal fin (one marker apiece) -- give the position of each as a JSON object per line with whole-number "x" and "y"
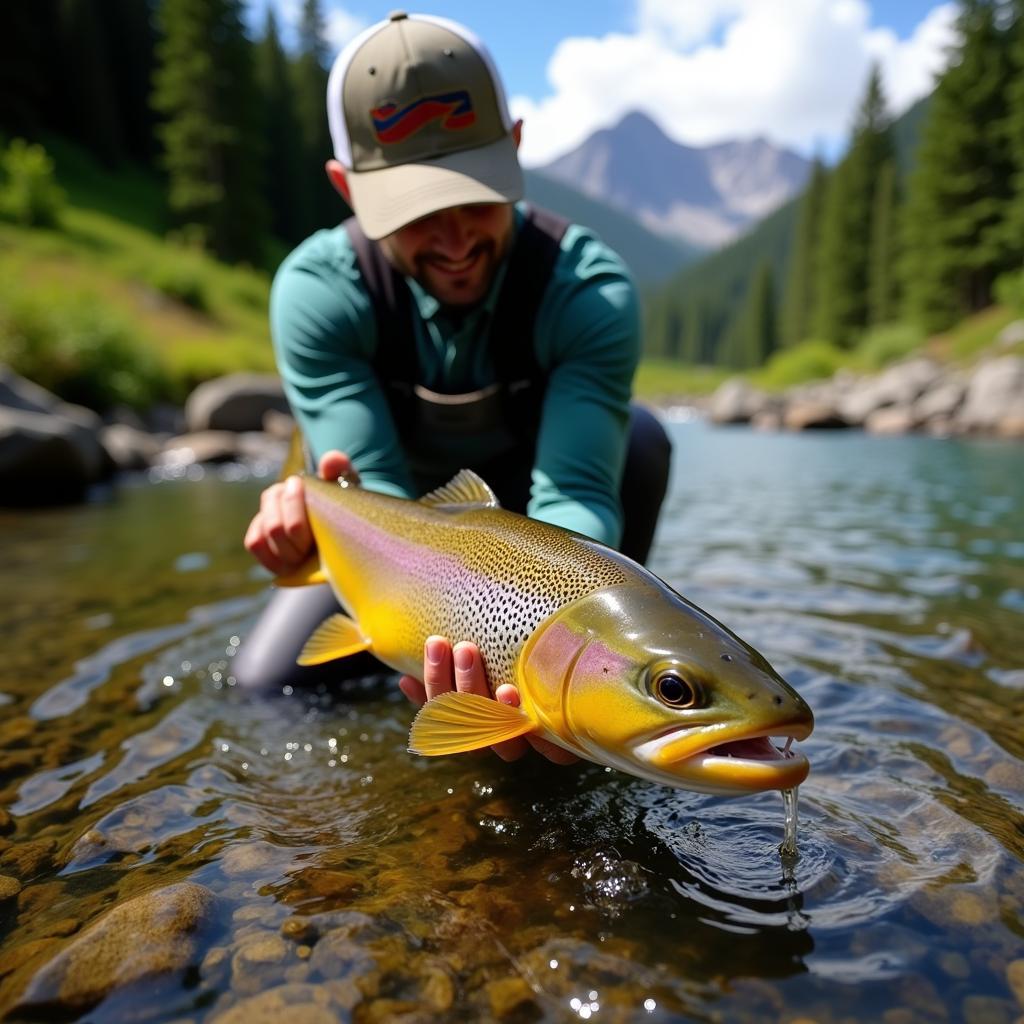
{"x": 453, "y": 723}
{"x": 336, "y": 637}
{"x": 464, "y": 490}
{"x": 307, "y": 574}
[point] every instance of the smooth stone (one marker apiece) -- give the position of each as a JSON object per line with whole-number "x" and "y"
{"x": 286, "y": 1004}
{"x": 1015, "y": 979}
{"x": 150, "y": 935}
{"x": 29, "y": 859}
{"x": 236, "y": 402}
{"x": 986, "y": 1010}
{"x": 507, "y": 994}
{"x": 9, "y": 887}
{"x": 955, "y": 965}
{"x": 258, "y": 961}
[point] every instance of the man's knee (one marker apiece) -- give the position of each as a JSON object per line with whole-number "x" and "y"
{"x": 644, "y": 481}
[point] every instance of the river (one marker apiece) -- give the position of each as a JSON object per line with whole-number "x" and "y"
{"x": 883, "y": 577}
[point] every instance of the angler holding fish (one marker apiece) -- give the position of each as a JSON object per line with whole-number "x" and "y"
{"x": 447, "y": 325}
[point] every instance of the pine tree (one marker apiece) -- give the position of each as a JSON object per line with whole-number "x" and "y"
{"x": 752, "y": 336}
{"x": 284, "y": 166}
{"x": 799, "y": 296}
{"x": 1015, "y": 133}
{"x": 960, "y": 194}
{"x": 322, "y": 206}
{"x": 204, "y": 87}
{"x": 841, "y": 304}
{"x": 86, "y": 82}
{"x": 882, "y": 273}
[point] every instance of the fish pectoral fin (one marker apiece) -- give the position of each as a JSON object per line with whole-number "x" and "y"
{"x": 464, "y": 490}
{"x": 306, "y": 575}
{"x": 336, "y": 637}
{"x": 453, "y": 723}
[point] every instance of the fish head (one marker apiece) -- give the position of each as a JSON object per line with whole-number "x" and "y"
{"x": 636, "y": 677}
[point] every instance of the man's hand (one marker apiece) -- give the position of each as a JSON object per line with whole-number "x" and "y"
{"x": 462, "y": 669}
{"x": 279, "y": 536}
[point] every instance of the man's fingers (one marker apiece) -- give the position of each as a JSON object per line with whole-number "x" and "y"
{"x": 413, "y": 689}
{"x": 334, "y": 465}
{"x": 437, "y": 666}
{"x": 470, "y": 676}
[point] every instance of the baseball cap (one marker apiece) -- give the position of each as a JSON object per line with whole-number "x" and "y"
{"x": 420, "y": 122}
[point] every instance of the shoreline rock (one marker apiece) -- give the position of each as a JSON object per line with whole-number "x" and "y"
{"x": 918, "y": 395}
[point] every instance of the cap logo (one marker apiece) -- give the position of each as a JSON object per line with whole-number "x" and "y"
{"x": 392, "y": 123}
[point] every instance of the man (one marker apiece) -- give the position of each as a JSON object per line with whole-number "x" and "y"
{"x": 447, "y": 327}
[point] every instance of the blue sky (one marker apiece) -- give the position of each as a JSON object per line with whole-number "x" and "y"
{"x": 791, "y": 70}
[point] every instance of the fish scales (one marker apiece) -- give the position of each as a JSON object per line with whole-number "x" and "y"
{"x": 473, "y": 573}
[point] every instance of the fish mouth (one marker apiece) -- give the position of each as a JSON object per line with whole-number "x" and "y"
{"x": 747, "y": 763}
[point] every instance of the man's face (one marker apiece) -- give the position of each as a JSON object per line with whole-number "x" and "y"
{"x": 455, "y": 253}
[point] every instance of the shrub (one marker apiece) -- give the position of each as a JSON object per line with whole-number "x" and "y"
{"x": 29, "y": 193}
{"x": 810, "y": 360}
{"x": 1009, "y": 290}
{"x": 180, "y": 276}
{"x": 887, "y": 344}
{"x": 78, "y": 351}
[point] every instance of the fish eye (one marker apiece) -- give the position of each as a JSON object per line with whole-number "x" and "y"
{"x": 675, "y": 691}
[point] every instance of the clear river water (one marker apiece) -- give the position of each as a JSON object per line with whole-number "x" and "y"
{"x": 352, "y": 881}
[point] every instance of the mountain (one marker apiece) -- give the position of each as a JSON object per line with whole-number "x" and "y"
{"x": 705, "y": 196}
{"x": 651, "y": 257}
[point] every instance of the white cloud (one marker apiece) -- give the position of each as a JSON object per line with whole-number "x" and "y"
{"x": 341, "y": 27}
{"x": 791, "y": 70}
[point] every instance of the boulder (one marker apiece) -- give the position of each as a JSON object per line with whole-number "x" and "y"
{"x": 941, "y": 402}
{"x": 45, "y": 457}
{"x": 129, "y": 447}
{"x": 812, "y": 412}
{"x": 149, "y": 936}
{"x": 900, "y": 385}
{"x": 202, "y": 446}
{"x": 49, "y": 450}
{"x": 236, "y": 402}
{"x": 1012, "y": 334}
{"x": 995, "y": 388}
{"x": 736, "y": 401}
{"x": 891, "y": 420}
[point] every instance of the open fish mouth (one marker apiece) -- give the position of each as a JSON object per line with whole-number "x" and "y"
{"x": 747, "y": 763}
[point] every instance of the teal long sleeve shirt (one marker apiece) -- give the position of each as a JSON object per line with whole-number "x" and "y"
{"x": 586, "y": 339}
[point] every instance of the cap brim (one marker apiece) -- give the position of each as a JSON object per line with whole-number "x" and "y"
{"x": 387, "y": 199}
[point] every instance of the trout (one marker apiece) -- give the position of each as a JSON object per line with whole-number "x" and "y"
{"x": 609, "y": 661}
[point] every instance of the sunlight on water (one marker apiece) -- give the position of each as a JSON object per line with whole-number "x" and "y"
{"x": 336, "y": 877}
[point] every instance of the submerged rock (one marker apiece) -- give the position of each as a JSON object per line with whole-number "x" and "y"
{"x": 151, "y": 935}
{"x": 286, "y": 1004}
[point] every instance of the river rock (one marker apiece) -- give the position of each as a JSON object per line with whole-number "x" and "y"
{"x": 736, "y": 401}
{"x": 236, "y": 402}
{"x": 48, "y": 456}
{"x": 812, "y": 413}
{"x": 940, "y": 403}
{"x": 148, "y": 936}
{"x": 994, "y": 391}
{"x": 286, "y": 1004}
{"x": 203, "y": 446}
{"x": 129, "y": 447}
{"x": 9, "y": 888}
{"x": 900, "y": 385}
{"x": 1012, "y": 334}
{"x": 897, "y": 419}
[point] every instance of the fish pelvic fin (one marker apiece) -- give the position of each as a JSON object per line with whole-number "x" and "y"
{"x": 306, "y": 575}
{"x": 453, "y": 723}
{"x": 464, "y": 490}
{"x": 336, "y": 637}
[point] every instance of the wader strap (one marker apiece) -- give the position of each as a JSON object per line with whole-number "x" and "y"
{"x": 522, "y": 383}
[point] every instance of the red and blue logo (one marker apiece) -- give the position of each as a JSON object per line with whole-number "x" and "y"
{"x": 392, "y": 123}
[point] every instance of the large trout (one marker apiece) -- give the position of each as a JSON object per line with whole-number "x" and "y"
{"x": 610, "y": 662}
